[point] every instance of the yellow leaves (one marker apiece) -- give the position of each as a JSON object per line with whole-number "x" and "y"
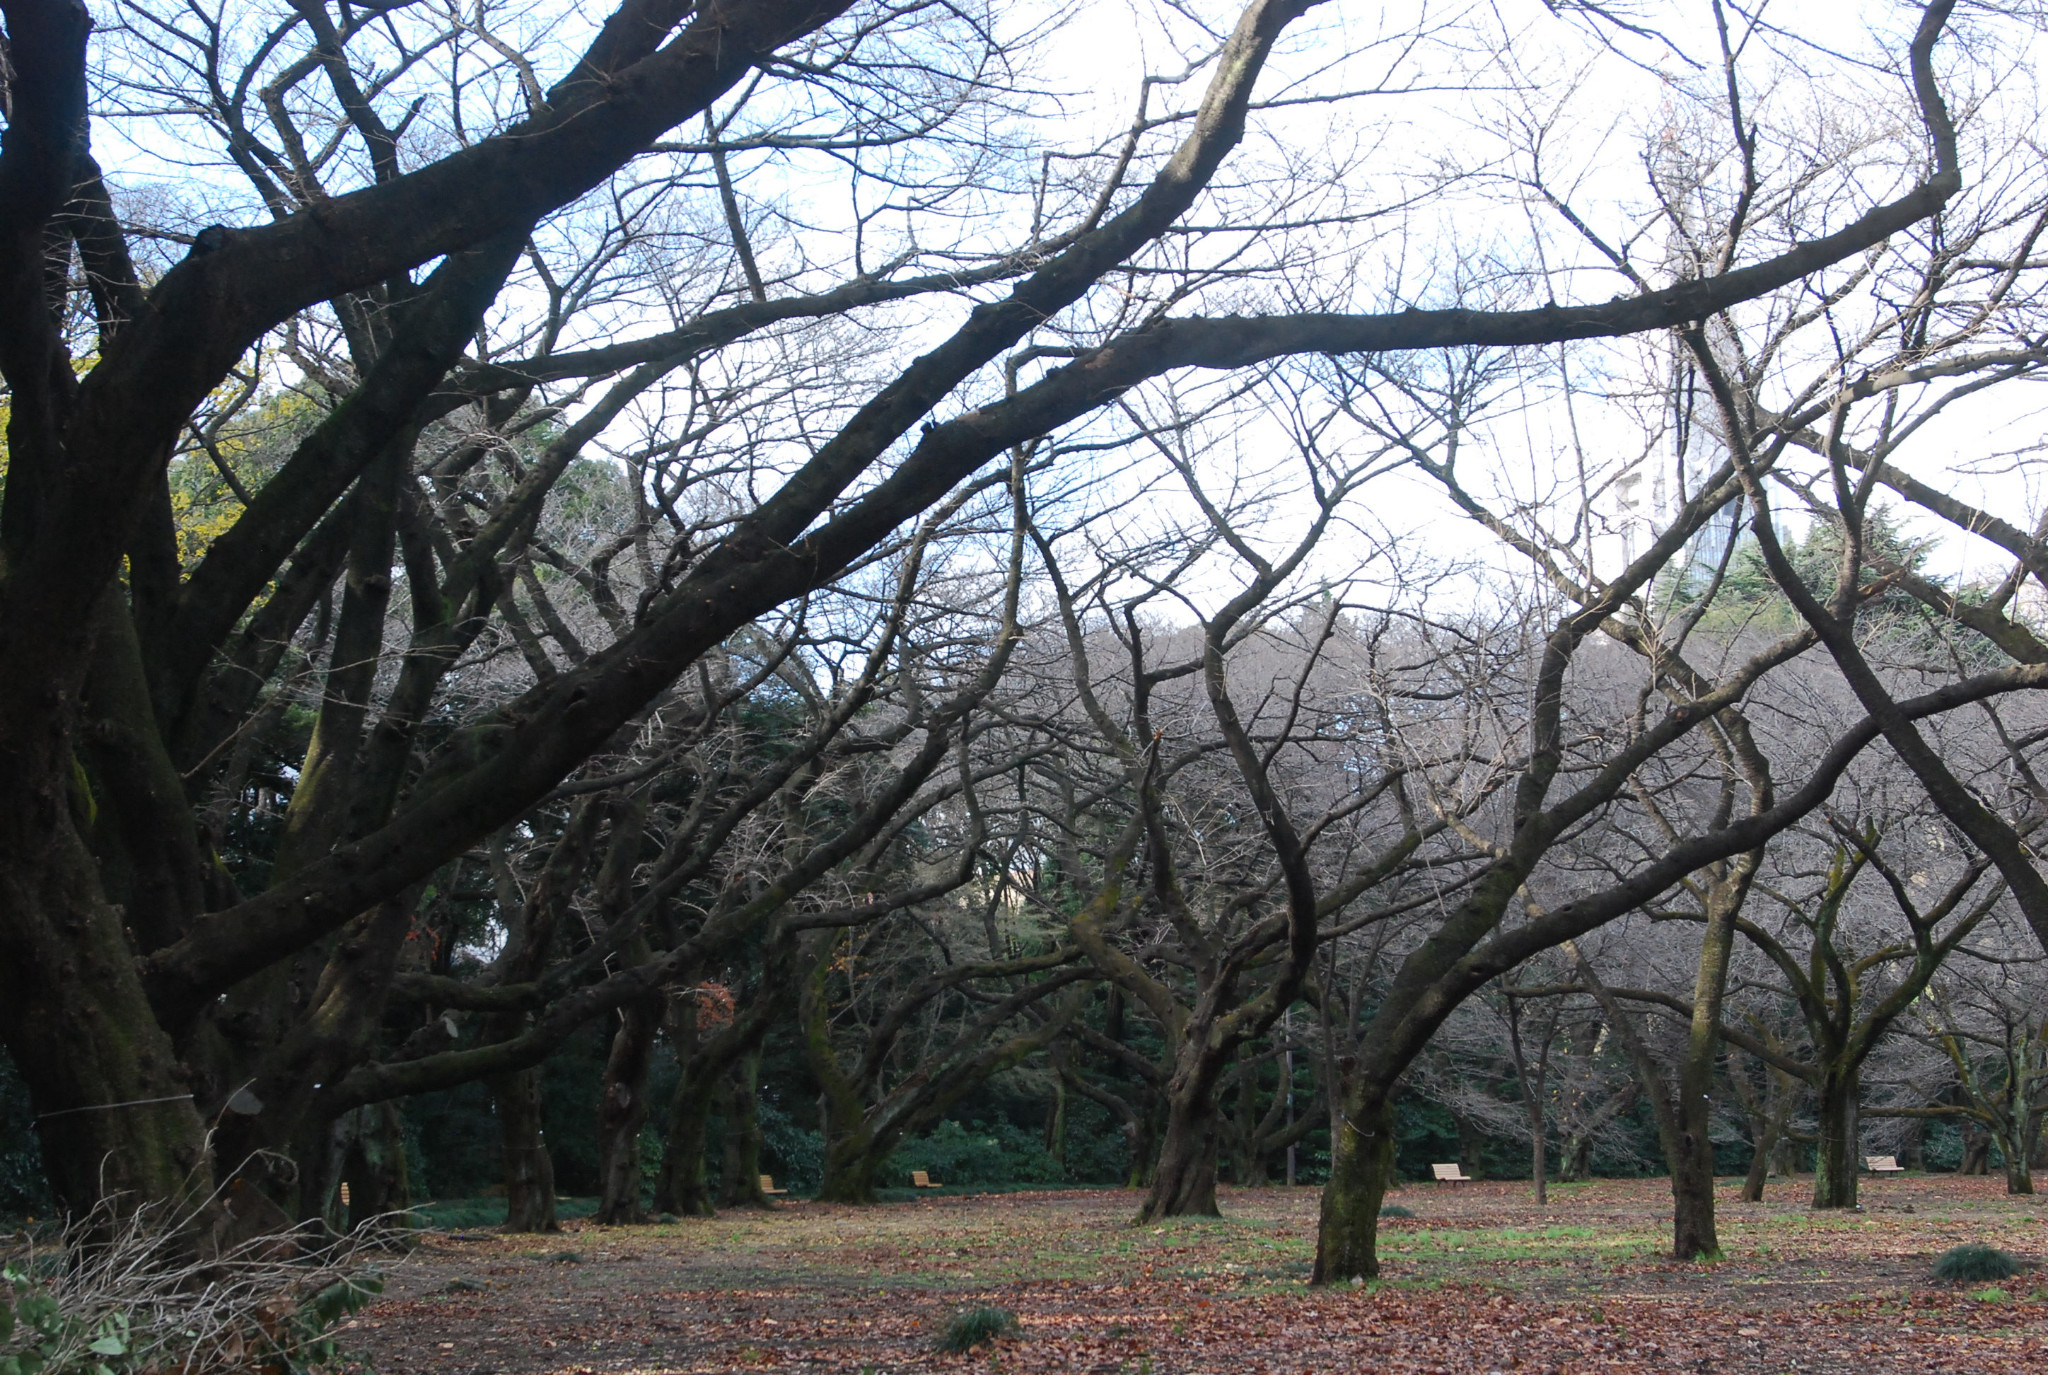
{"x": 199, "y": 521}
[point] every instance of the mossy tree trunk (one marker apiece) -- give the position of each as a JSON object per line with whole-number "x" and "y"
{"x": 1361, "y": 1170}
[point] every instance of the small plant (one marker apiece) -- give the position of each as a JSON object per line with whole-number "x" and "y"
{"x": 977, "y": 1326}
{"x": 1396, "y": 1210}
{"x": 1991, "y": 1295}
{"x": 1974, "y": 1261}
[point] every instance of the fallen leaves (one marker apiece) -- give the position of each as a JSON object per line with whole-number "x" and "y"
{"x": 1489, "y": 1283}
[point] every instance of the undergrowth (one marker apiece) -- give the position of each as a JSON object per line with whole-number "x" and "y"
{"x": 976, "y": 1327}
{"x": 1974, "y": 1261}
{"x": 122, "y": 1294}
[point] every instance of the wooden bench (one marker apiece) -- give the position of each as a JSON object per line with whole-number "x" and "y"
{"x": 1883, "y": 1164}
{"x": 1450, "y": 1174}
{"x": 920, "y": 1180}
{"x": 768, "y": 1185}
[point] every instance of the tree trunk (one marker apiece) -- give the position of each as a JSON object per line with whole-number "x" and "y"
{"x": 622, "y": 1112}
{"x": 853, "y": 1163}
{"x": 2019, "y": 1174}
{"x": 1141, "y": 1135}
{"x": 1361, "y": 1168}
{"x": 1693, "y": 1233}
{"x": 1837, "y": 1165}
{"x": 1247, "y": 1161}
{"x": 1913, "y": 1145}
{"x": 529, "y": 1169}
{"x": 680, "y": 1188}
{"x": 1759, "y": 1169}
{"x": 1770, "y": 1137}
{"x": 1575, "y": 1158}
{"x": 1692, "y": 1207}
{"x": 739, "y": 1184}
{"x": 1184, "y": 1183}
{"x": 374, "y": 1164}
{"x": 1056, "y": 1111}
{"x": 1976, "y": 1151}
{"x": 1471, "y": 1146}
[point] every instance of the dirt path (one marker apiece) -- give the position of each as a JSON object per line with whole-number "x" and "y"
{"x": 1479, "y": 1280}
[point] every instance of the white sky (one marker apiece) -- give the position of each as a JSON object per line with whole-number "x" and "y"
{"x": 1470, "y": 92}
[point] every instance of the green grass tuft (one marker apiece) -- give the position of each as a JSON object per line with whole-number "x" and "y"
{"x": 1974, "y": 1261}
{"x": 1396, "y": 1210}
{"x": 977, "y": 1326}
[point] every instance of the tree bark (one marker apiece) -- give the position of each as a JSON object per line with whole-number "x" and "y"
{"x": 739, "y": 1184}
{"x": 1575, "y": 1158}
{"x": 2019, "y": 1174}
{"x": 622, "y": 1112}
{"x": 1837, "y": 1164}
{"x": 1778, "y": 1100}
{"x": 528, "y": 1168}
{"x": 380, "y": 1184}
{"x": 1976, "y": 1151}
{"x": 1184, "y": 1184}
{"x": 680, "y": 1188}
{"x": 1361, "y": 1169}
{"x": 1913, "y": 1145}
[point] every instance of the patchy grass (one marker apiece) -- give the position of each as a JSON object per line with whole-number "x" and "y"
{"x": 481, "y": 1214}
{"x": 1478, "y": 1279}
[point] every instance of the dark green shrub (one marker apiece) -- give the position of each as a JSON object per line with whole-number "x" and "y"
{"x": 977, "y": 1153}
{"x": 977, "y": 1326}
{"x": 1396, "y": 1210}
{"x": 1974, "y": 1261}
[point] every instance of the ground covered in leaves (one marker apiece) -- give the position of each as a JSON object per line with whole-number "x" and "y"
{"x": 1480, "y": 1279}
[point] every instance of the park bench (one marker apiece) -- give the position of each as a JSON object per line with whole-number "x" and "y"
{"x": 1450, "y": 1174}
{"x": 768, "y": 1185}
{"x": 1883, "y": 1164}
{"x": 920, "y": 1180}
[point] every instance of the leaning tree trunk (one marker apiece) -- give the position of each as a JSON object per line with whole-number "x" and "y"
{"x": 528, "y": 1168}
{"x": 622, "y": 1112}
{"x": 1768, "y": 1136}
{"x": 1361, "y": 1169}
{"x": 1836, "y": 1165}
